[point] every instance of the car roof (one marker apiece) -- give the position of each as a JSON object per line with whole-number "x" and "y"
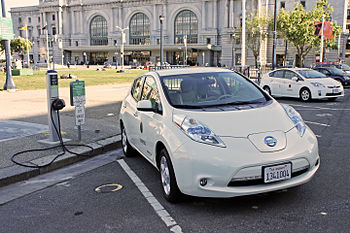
{"x": 292, "y": 69}
{"x": 194, "y": 70}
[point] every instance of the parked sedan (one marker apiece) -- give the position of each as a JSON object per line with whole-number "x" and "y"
{"x": 335, "y": 73}
{"x": 213, "y": 133}
{"x": 301, "y": 83}
{"x": 342, "y": 66}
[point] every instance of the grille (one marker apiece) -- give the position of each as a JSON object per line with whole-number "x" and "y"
{"x": 261, "y": 180}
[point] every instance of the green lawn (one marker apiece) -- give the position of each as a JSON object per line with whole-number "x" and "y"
{"x": 91, "y": 78}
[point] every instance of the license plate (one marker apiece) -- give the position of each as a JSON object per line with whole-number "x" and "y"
{"x": 277, "y": 172}
{"x": 335, "y": 90}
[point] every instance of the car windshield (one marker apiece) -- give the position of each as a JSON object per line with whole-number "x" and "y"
{"x": 311, "y": 74}
{"x": 200, "y": 90}
{"x": 336, "y": 71}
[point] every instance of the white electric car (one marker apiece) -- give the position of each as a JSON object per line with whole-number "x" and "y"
{"x": 213, "y": 133}
{"x": 301, "y": 83}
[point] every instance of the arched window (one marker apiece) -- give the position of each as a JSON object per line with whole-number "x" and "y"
{"x": 139, "y": 29}
{"x": 186, "y": 24}
{"x": 98, "y": 31}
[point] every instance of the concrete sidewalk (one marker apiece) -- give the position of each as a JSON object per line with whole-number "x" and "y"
{"x": 24, "y": 121}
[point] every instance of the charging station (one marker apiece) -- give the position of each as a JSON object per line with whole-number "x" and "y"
{"x": 54, "y": 104}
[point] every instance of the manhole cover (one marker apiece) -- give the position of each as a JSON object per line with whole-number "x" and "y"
{"x": 108, "y": 188}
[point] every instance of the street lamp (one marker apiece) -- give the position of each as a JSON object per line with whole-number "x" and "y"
{"x": 185, "y": 51}
{"x": 233, "y": 48}
{"x": 122, "y": 45}
{"x": 47, "y": 46}
{"x": 274, "y": 37}
{"x": 161, "y": 19}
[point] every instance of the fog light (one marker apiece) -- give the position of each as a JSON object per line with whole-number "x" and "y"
{"x": 203, "y": 182}
{"x": 319, "y": 93}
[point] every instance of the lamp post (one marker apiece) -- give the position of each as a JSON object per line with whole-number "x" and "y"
{"x": 274, "y": 37}
{"x": 122, "y": 45}
{"x": 9, "y": 83}
{"x": 161, "y": 19}
{"x": 47, "y": 46}
{"x": 233, "y": 49}
{"x": 185, "y": 51}
{"x": 116, "y": 55}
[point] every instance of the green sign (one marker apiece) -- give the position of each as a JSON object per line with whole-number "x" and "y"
{"x": 77, "y": 93}
{"x": 6, "y": 29}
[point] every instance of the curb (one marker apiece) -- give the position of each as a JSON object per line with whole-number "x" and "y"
{"x": 16, "y": 173}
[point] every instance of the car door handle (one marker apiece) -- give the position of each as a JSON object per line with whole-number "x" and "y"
{"x": 135, "y": 114}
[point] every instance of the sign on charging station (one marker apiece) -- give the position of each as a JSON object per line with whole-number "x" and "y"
{"x": 77, "y": 99}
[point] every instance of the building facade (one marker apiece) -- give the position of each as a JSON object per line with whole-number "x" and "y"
{"x": 195, "y": 32}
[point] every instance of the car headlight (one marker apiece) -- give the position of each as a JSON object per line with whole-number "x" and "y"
{"x": 317, "y": 84}
{"x": 296, "y": 119}
{"x": 198, "y": 131}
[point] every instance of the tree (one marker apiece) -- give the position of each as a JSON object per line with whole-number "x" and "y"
{"x": 298, "y": 27}
{"x": 256, "y": 32}
{"x": 19, "y": 45}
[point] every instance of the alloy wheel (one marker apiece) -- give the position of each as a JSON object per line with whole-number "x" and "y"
{"x": 165, "y": 175}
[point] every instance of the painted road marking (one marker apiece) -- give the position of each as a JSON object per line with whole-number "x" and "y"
{"x": 324, "y": 115}
{"x": 116, "y": 187}
{"x": 317, "y": 123}
{"x": 158, "y": 208}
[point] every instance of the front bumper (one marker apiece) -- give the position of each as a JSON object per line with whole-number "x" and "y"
{"x": 221, "y": 167}
{"x": 328, "y": 92}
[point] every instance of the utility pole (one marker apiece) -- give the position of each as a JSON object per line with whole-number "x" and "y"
{"x": 243, "y": 33}
{"x": 161, "y": 19}
{"x": 321, "y": 48}
{"x": 9, "y": 84}
{"x": 274, "y": 37}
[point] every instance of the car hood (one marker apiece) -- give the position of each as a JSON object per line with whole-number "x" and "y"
{"x": 243, "y": 121}
{"x": 325, "y": 81}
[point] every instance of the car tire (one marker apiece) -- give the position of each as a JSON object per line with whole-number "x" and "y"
{"x": 128, "y": 150}
{"x": 332, "y": 99}
{"x": 170, "y": 189}
{"x": 267, "y": 89}
{"x": 305, "y": 94}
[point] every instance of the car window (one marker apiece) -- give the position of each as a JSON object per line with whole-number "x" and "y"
{"x": 323, "y": 71}
{"x": 277, "y": 74}
{"x": 210, "y": 90}
{"x": 345, "y": 66}
{"x": 150, "y": 92}
{"x": 289, "y": 74}
{"x": 137, "y": 88}
{"x": 336, "y": 71}
{"x": 311, "y": 74}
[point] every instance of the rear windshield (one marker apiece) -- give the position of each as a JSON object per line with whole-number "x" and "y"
{"x": 311, "y": 74}
{"x": 210, "y": 90}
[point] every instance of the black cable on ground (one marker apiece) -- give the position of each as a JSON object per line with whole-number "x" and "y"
{"x": 61, "y": 145}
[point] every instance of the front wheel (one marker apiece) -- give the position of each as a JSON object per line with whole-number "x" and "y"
{"x": 171, "y": 191}
{"x": 127, "y": 148}
{"x": 305, "y": 95}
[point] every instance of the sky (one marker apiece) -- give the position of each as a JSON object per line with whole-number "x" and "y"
{"x": 19, "y": 3}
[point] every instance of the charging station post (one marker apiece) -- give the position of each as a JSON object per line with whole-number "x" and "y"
{"x": 54, "y": 104}
{"x": 77, "y": 99}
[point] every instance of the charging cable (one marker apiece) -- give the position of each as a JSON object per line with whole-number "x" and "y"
{"x": 56, "y": 105}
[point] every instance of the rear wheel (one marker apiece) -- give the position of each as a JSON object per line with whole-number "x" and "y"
{"x": 305, "y": 95}
{"x": 170, "y": 189}
{"x": 127, "y": 148}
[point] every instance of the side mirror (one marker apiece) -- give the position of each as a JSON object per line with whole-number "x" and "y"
{"x": 296, "y": 79}
{"x": 145, "y": 105}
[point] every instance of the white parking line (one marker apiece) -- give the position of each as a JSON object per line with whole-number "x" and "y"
{"x": 158, "y": 208}
{"x": 317, "y": 123}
